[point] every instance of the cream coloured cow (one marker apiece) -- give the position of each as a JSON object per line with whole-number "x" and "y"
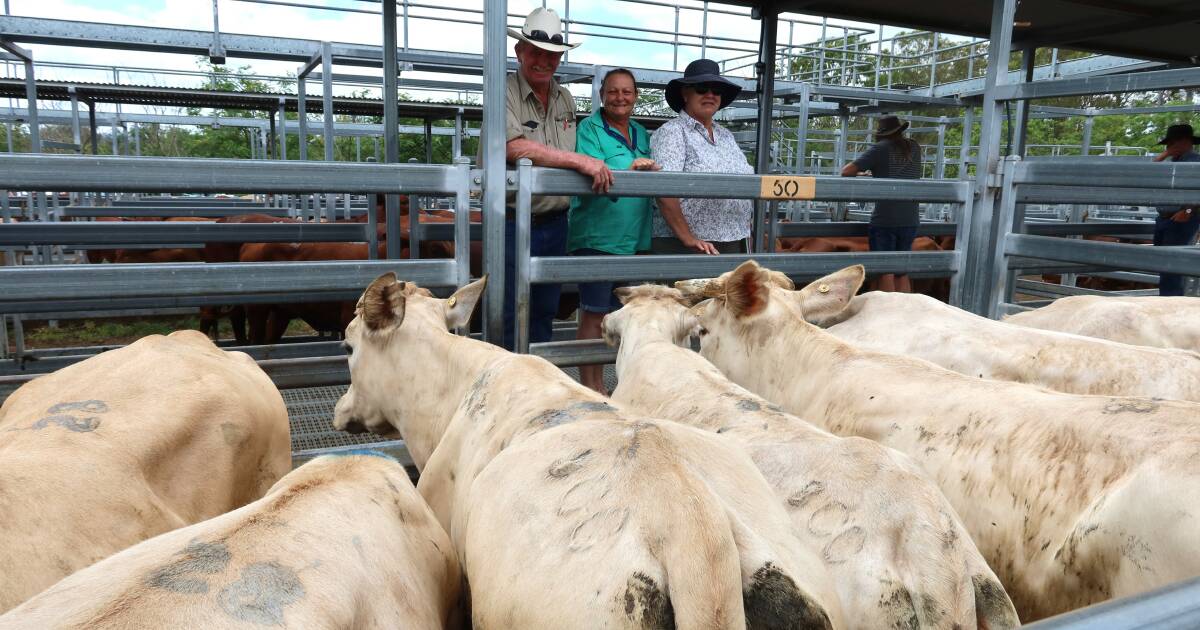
{"x": 342, "y": 542}
{"x": 566, "y": 511}
{"x": 1159, "y": 322}
{"x": 922, "y": 327}
{"x": 1072, "y": 499}
{"x": 897, "y": 552}
{"x": 126, "y": 445}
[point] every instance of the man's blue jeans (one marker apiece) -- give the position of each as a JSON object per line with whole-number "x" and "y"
{"x": 1168, "y": 232}
{"x": 546, "y": 239}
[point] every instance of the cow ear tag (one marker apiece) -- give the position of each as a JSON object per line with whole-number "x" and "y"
{"x": 451, "y": 301}
{"x": 823, "y": 288}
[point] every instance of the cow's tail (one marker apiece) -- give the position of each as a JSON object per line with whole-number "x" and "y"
{"x": 700, "y": 556}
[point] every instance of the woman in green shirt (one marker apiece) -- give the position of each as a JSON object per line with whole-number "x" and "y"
{"x": 604, "y": 225}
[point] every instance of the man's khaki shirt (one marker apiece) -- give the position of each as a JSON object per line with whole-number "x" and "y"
{"x": 554, "y": 127}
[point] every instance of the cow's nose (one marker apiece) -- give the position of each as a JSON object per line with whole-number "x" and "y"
{"x": 355, "y": 427}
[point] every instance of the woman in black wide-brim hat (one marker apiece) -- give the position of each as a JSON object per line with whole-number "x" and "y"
{"x": 693, "y": 142}
{"x": 893, "y": 225}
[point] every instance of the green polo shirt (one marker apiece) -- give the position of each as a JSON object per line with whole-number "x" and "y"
{"x": 616, "y": 225}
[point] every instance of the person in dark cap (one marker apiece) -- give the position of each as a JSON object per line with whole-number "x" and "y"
{"x": 893, "y": 225}
{"x": 693, "y": 142}
{"x": 1176, "y": 225}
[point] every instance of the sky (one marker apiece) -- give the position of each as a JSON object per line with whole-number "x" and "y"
{"x": 429, "y": 28}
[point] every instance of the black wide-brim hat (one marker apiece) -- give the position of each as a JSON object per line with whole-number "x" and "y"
{"x": 1175, "y": 132}
{"x": 890, "y": 125}
{"x": 697, "y": 72}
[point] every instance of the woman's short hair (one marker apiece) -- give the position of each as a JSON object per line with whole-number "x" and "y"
{"x": 623, "y": 71}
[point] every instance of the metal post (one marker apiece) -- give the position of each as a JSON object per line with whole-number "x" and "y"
{"x": 372, "y": 226}
{"x": 768, "y": 31}
{"x": 116, "y": 147}
{"x": 1089, "y": 122}
{"x": 964, "y": 151}
{"x": 704, "y": 33}
{"x": 802, "y": 125}
{"x": 821, "y": 58}
{"x": 429, "y": 141}
{"x": 391, "y": 134}
{"x": 216, "y": 53}
{"x": 35, "y": 134}
{"x": 879, "y": 54}
{"x": 414, "y": 223}
{"x": 933, "y": 67}
{"x": 327, "y": 98}
{"x": 462, "y": 221}
{"x": 357, "y": 149}
{"x": 839, "y": 158}
{"x": 282, "y": 130}
{"x": 272, "y": 137}
{"x": 492, "y": 140}
{"x": 92, "y": 125}
{"x": 939, "y": 169}
{"x": 521, "y": 243}
{"x": 971, "y": 286}
{"x": 1028, "y": 56}
{"x": 137, "y": 141}
{"x": 301, "y": 115}
{"x": 456, "y": 149}
{"x": 329, "y": 211}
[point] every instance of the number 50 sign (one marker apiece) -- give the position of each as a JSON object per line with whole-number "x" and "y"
{"x": 787, "y": 187}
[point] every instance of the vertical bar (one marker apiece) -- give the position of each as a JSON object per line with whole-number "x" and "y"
{"x": 821, "y": 58}
{"x": 391, "y": 135}
{"x": 879, "y": 54}
{"x": 405, "y": 25}
{"x": 1028, "y": 57}
{"x": 35, "y": 132}
{"x": 492, "y": 139}
{"x": 704, "y": 33}
{"x": 802, "y": 125}
{"x": 839, "y": 159}
{"x": 414, "y": 223}
{"x": 1089, "y": 122}
{"x": 92, "y": 125}
{"x": 75, "y": 134}
{"x": 675, "y": 46}
{"x": 768, "y": 32}
{"x": 372, "y": 226}
{"x": 282, "y": 130}
{"x": 933, "y": 68}
{"x": 429, "y": 141}
{"x": 597, "y": 81}
{"x": 346, "y": 206}
{"x": 977, "y": 237}
{"x": 327, "y": 98}
{"x": 462, "y": 220}
{"x": 524, "y": 224}
{"x": 964, "y": 153}
{"x": 301, "y": 115}
{"x": 939, "y": 169}
{"x": 357, "y": 148}
{"x": 456, "y": 149}
{"x": 113, "y": 133}
{"x": 1008, "y": 217}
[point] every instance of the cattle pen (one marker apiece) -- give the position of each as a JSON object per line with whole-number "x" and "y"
{"x": 1012, "y": 213}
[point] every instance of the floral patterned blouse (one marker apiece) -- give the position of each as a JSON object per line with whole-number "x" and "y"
{"x": 682, "y": 144}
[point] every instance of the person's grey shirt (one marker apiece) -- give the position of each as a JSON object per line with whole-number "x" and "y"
{"x": 887, "y": 159}
{"x": 1166, "y": 211}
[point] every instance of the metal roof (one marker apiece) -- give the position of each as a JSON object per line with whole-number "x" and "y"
{"x": 1160, "y": 30}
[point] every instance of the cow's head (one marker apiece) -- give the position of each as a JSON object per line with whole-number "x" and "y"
{"x": 655, "y": 312}
{"x": 389, "y": 318}
{"x": 749, "y": 306}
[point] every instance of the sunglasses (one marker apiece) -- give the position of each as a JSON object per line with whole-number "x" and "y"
{"x": 705, "y": 88}
{"x": 539, "y": 35}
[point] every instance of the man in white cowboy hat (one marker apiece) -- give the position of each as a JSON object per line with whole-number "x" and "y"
{"x": 541, "y": 126}
{"x": 1176, "y": 225}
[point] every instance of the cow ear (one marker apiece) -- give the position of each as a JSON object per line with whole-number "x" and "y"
{"x": 382, "y": 304}
{"x": 623, "y": 294}
{"x": 780, "y": 279}
{"x": 461, "y": 305}
{"x": 826, "y": 298}
{"x": 747, "y": 290}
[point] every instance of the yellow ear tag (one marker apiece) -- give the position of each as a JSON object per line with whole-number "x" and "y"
{"x": 823, "y": 288}
{"x": 450, "y": 302}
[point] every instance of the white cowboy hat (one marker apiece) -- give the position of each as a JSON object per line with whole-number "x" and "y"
{"x": 544, "y": 30}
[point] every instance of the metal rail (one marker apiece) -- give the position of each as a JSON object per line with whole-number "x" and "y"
{"x": 156, "y": 232}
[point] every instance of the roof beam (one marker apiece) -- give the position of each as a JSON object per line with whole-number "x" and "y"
{"x": 1077, "y": 34}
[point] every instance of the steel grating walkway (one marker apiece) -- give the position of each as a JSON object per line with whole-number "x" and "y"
{"x": 310, "y": 414}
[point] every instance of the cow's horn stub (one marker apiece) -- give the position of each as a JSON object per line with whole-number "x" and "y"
{"x": 701, "y": 287}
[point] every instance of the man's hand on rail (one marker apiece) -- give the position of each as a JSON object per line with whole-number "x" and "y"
{"x": 602, "y": 177}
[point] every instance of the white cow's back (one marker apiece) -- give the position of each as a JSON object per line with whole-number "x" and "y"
{"x": 922, "y": 327}
{"x": 1160, "y": 322}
